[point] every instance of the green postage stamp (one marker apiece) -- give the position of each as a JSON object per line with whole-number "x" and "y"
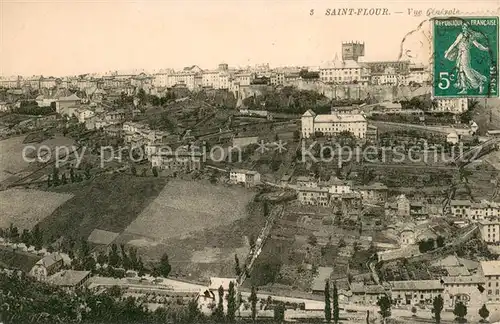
{"x": 465, "y": 57}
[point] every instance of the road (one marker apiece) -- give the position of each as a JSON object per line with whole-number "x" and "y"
{"x": 276, "y": 213}
{"x": 437, "y": 129}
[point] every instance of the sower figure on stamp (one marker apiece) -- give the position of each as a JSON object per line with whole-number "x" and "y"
{"x": 460, "y": 52}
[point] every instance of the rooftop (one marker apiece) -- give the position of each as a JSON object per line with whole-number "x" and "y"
{"x": 491, "y": 268}
{"x": 50, "y": 260}
{"x": 457, "y": 271}
{"x": 339, "y": 118}
{"x": 456, "y": 202}
{"x": 347, "y": 64}
{"x": 463, "y": 280}
{"x": 416, "y": 285}
{"x": 68, "y": 278}
{"x": 72, "y": 97}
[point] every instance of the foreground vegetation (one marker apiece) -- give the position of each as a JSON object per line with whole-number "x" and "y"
{"x": 24, "y": 300}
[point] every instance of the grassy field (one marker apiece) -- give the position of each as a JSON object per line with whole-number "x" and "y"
{"x": 109, "y": 202}
{"x": 25, "y": 208}
{"x": 11, "y": 157}
{"x": 200, "y": 248}
{"x": 184, "y": 207}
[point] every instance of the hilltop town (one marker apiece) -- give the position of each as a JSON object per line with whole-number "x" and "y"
{"x": 275, "y": 188}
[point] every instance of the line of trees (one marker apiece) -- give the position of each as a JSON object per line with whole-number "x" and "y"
{"x": 55, "y": 180}
{"x": 430, "y": 244}
{"x": 31, "y": 108}
{"x": 329, "y": 315}
{"x": 218, "y": 313}
{"x": 30, "y": 238}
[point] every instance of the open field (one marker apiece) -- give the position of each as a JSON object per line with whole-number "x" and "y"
{"x": 206, "y": 252}
{"x": 109, "y": 202}
{"x": 25, "y": 208}
{"x": 11, "y": 157}
{"x": 184, "y": 207}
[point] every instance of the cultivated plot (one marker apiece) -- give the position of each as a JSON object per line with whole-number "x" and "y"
{"x": 25, "y": 208}
{"x": 185, "y": 207}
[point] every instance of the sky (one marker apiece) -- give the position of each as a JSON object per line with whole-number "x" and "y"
{"x": 56, "y": 37}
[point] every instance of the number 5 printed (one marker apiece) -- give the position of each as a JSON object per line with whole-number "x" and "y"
{"x": 444, "y": 81}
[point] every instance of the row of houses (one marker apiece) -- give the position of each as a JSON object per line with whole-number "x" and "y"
{"x": 486, "y": 214}
{"x": 312, "y": 191}
{"x": 479, "y": 286}
{"x": 42, "y": 265}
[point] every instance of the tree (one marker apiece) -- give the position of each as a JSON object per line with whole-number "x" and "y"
{"x": 165, "y": 267}
{"x": 231, "y": 302}
{"x": 125, "y": 258}
{"x": 414, "y": 311}
{"x": 113, "y": 257}
{"x": 13, "y": 233}
{"x": 49, "y": 181}
{"x": 328, "y": 304}
{"x": 251, "y": 241}
{"x": 88, "y": 175}
{"x": 155, "y": 171}
{"x": 460, "y": 311}
{"x": 440, "y": 241}
{"x": 72, "y": 175}
{"x": 193, "y": 312}
{"x": 218, "y": 313}
{"x": 253, "y": 302}
{"x": 37, "y": 237}
{"x": 336, "y": 309}
{"x": 312, "y": 240}
{"x": 133, "y": 170}
{"x": 141, "y": 94}
{"x": 64, "y": 180}
{"x": 55, "y": 177}
{"x": 102, "y": 258}
{"x": 237, "y": 268}
{"x": 26, "y": 237}
{"x": 437, "y": 308}
{"x": 279, "y": 313}
{"x": 484, "y": 312}
{"x": 134, "y": 261}
{"x": 385, "y": 307}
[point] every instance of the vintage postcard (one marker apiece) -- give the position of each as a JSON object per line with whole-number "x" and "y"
{"x": 249, "y": 161}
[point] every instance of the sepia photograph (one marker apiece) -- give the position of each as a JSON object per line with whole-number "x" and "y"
{"x": 249, "y": 161}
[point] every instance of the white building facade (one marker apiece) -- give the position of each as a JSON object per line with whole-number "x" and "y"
{"x": 333, "y": 124}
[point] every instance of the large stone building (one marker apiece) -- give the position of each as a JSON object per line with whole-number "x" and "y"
{"x": 346, "y": 71}
{"x": 452, "y": 105}
{"x": 491, "y": 272}
{"x": 333, "y": 124}
{"x": 413, "y": 292}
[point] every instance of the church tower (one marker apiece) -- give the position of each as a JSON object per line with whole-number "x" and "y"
{"x": 352, "y": 50}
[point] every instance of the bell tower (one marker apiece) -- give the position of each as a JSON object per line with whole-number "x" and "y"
{"x": 352, "y": 50}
